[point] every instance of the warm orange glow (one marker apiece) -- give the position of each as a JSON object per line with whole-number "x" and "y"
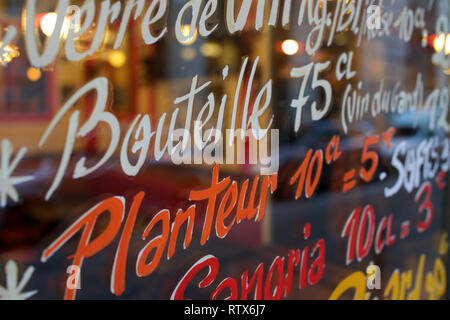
{"x": 439, "y": 43}
{"x": 33, "y": 74}
{"x": 290, "y": 47}
{"x": 211, "y": 49}
{"x": 9, "y": 53}
{"x": 186, "y": 31}
{"x": 188, "y": 54}
{"x": 48, "y": 23}
{"x": 117, "y": 59}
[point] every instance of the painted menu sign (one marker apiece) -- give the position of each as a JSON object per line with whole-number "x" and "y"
{"x": 235, "y": 149}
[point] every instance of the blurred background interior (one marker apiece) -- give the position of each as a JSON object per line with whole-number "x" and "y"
{"x": 147, "y": 79}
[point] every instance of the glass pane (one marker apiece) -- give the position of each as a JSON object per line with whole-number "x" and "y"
{"x": 297, "y": 149}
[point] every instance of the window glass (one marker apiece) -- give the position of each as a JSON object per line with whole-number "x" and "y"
{"x": 295, "y": 149}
